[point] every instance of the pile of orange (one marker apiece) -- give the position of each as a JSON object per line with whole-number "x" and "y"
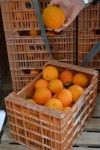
{"x": 59, "y": 90}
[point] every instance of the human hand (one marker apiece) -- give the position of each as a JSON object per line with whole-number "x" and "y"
{"x": 71, "y": 9}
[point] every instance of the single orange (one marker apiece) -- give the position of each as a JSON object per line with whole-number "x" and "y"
{"x": 54, "y": 103}
{"x": 41, "y": 95}
{"x": 53, "y": 17}
{"x": 55, "y": 85}
{"x": 81, "y": 80}
{"x": 50, "y": 72}
{"x": 65, "y": 96}
{"x": 76, "y": 91}
{"x": 41, "y": 83}
{"x": 66, "y": 77}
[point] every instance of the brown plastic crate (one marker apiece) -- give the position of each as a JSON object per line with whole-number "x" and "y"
{"x": 27, "y": 52}
{"x": 89, "y": 17}
{"x": 21, "y": 15}
{"x": 86, "y": 41}
{"x": 38, "y": 127}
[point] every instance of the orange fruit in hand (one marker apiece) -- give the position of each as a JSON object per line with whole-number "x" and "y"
{"x": 66, "y": 77}
{"x": 41, "y": 95}
{"x": 53, "y": 17}
{"x": 80, "y": 79}
{"x": 55, "y": 85}
{"x": 41, "y": 83}
{"x": 76, "y": 91}
{"x": 54, "y": 103}
{"x": 50, "y": 72}
{"x": 65, "y": 96}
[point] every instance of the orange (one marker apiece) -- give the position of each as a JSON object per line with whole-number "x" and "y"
{"x": 53, "y": 17}
{"x": 34, "y": 72}
{"x": 80, "y": 79}
{"x": 41, "y": 95}
{"x": 65, "y": 96}
{"x": 54, "y": 103}
{"x": 76, "y": 91}
{"x": 41, "y": 83}
{"x": 50, "y": 72}
{"x": 31, "y": 101}
{"x": 66, "y": 77}
{"x": 55, "y": 85}
{"x": 34, "y": 32}
{"x": 66, "y": 108}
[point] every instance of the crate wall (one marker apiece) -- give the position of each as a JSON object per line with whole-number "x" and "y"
{"x": 28, "y": 52}
{"x": 86, "y": 41}
{"x": 89, "y": 18}
{"x": 38, "y": 127}
{"x": 89, "y": 34}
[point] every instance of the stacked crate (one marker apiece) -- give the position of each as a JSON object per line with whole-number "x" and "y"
{"x": 88, "y": 35}
{"x": 27, "y": 52}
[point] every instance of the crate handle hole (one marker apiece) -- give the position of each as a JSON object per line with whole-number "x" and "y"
{"x": 28, "y": 5}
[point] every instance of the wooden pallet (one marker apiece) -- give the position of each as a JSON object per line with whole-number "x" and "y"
{"x": 88, "y": 140}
